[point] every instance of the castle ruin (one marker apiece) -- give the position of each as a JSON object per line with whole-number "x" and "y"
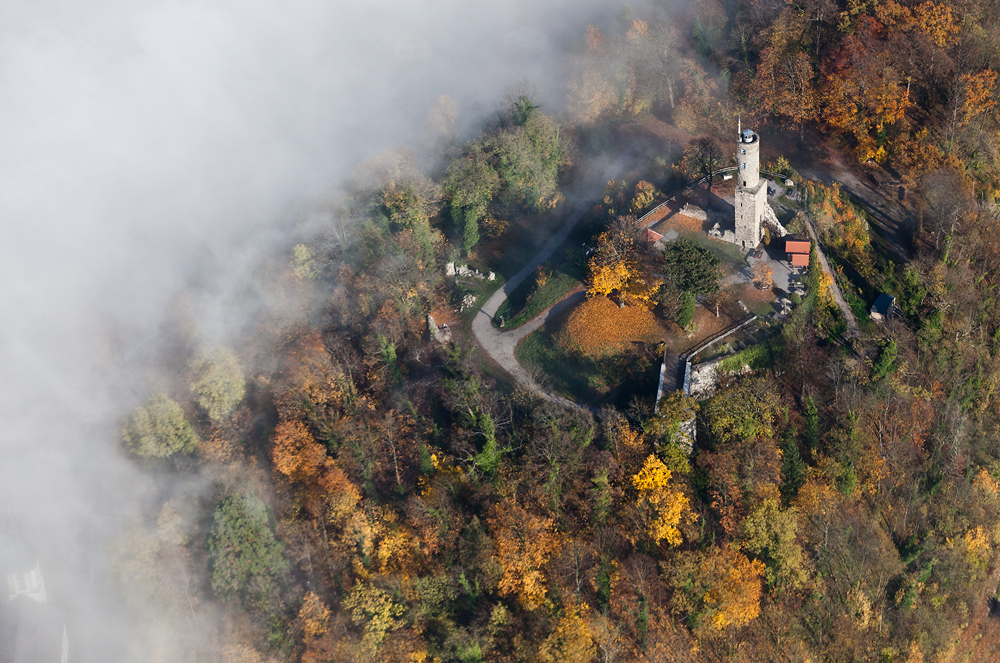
{"x": 752, "y": 210}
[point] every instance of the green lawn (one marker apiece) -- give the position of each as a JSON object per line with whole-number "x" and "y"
{"x": 527, "y": 301}
{"x": 729, "y": 254}
{"x": 482, "y": 290}
{"x": 612, "y": 380}
{"x": 566, "y": 270}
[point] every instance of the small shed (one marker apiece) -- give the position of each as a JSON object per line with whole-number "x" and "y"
{"x": 882, "y": 307}
{"x": 799, "y": 259}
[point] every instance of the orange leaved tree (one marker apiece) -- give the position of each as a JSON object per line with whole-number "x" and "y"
{"x": 523, "y": 543}
{"x": 295, "y": 453}
{"x": 718, "y": 588}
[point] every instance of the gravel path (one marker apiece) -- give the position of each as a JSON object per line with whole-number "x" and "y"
{"x": 500, "y": 344}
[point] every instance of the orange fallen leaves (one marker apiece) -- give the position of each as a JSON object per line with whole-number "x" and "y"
{"x": 598, "y": 327}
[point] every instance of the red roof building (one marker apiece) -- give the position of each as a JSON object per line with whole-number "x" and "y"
{"x": 797, "y": 246}
{"x": 797, "y": 249}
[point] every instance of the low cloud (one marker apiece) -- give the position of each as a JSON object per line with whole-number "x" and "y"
{"x": 147, "y": 148}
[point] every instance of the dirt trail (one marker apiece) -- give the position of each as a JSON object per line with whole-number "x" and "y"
{"x": 500, "y": 345}
{"x": 853, "y": 329}
{"x": 873, "y": 188}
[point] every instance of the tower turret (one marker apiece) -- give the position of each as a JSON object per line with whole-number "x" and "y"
{"x": 751, "y": 190}
{"x": 748, "y": 156}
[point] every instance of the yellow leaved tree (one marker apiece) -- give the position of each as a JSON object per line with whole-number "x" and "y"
{"x": 617, "y": 265}
{"x": 609, "y": 278}
{"x": 938, "y": 22}
{"x": 570, "y": 642}
{"x": 314, "y": 616}
{"x": 661, "y": 507}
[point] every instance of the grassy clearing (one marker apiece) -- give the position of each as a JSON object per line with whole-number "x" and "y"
{"x": 761, "y": 309}
{"x": 482, "y": 290}
{"x": 527, "y": 300}
{"x": 565, "y": 270}
{"x": 756, "y": 357}
{"x": 610, "y": 380}
{"x": 730, "y": 254}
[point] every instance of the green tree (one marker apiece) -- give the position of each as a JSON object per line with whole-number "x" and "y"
{"x": 769, "y": 533}
{"x": 691, "y": 268}
{"x": 470, "y": 185}
{"x": 303, "y": 263}
{"x": 527, "y": 156}
{"x": 912, "y": 292}
{"x": 158, "y": 429}
{"x": 244, "y": 556}
{"x": 746, "y": 411}
{"x": 686, "y": 314}
{"x": 470, "y": 232}
{"x": 521, "y": 109}
{"x": 217, "y": 382}
{"x": 673, "y": 409}
{"x": 885, "y": 365}
{"x": 793, "y": 468}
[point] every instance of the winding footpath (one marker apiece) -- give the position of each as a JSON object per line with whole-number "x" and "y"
{"x": 499, "y": 345}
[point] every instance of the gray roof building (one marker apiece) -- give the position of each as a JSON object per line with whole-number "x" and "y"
{"x": 882, "y": 307}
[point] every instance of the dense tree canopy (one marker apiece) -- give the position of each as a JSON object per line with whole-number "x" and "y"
{"x": 245, "y": 557}
{"x": 690, "y": 268}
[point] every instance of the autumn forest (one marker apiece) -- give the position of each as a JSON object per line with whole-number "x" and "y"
{"x": 368, "y": 492}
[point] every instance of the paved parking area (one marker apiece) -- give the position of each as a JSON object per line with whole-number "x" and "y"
{"x": 781, "y": 273}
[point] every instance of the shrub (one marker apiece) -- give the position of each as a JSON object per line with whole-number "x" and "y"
{"x": 686, "y": 314}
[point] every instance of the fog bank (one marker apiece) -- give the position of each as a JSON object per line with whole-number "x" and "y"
{"x": 146, "y": 147}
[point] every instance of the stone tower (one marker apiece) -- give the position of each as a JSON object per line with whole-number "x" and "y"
{"x": 751, "y": 191}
